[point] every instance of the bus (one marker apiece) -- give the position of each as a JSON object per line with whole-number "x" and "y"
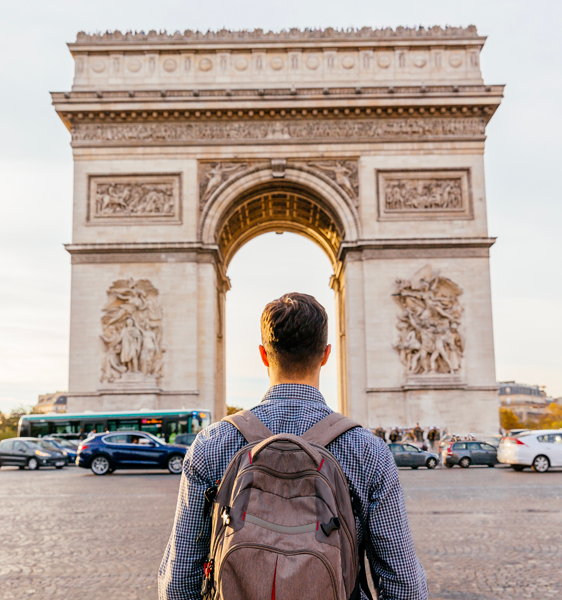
{"x": 165, "y": 424}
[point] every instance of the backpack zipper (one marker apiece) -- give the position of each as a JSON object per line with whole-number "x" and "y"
{"x": 284, "y": 553}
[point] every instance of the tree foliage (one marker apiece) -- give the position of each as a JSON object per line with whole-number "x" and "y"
{"x": 508, "y": 419}
{"x": 9, "y": 422}
{"x": 231, "y": 410}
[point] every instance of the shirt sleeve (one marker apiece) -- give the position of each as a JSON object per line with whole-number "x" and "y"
{"x": 181, "y": 570}
{"x": 390, "y": 546}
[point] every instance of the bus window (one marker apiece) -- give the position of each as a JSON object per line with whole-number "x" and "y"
{"x": 112, "y": 425}
{"x": 39, "y": 429}
{"x": 175, "y": 428}
{"x": 152, "y": 425}
{"x": 65, "y": 427}
{"x": 93, "y": 428}
{"x": 127, "y": 425}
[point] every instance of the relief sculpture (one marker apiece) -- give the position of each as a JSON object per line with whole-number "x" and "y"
{"x": 429, "y": 338}
{"x": 213, "y": 175}
{"x": 132, "y": 332}
{"x": 344, "y": 173}
{"x": 134, "y": 197}
{"x": 423, "y": 194}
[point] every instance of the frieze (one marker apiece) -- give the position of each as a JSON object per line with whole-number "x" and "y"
{"x": 424, "y": 194}
{"x": 134, "y": 199}
{"x": 286, "y": 35}
{"x": 276, "y": 131}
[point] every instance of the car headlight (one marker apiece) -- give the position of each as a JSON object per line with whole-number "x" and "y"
{"x": 41, "y": 453}
{"x": 64, "y": 453}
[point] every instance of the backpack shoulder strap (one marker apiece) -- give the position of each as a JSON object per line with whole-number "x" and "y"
{"x": 328, "y": 429}
{"x": 249, "y": 426}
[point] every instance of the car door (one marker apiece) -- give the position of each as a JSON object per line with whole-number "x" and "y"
{"x": 555, "y": 454}
{"x": 6, "y": 456}
{"x": 398, "y": 454}
{"x": 117, "y": 447}
{"x": 477, "y": 455}
{"x": 490, "y": 453}
{"x": 415, "y": 457}
{"x": 146, "y": 450}
{"x": 19, "y": 453}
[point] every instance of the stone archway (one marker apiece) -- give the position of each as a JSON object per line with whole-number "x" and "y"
{"x": 369, "y": 142}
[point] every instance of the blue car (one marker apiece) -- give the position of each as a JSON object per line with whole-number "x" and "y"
{"x": 105, "y": 452}
{"x": 62, "y": 444}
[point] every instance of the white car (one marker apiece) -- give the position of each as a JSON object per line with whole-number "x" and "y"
{"x": 538, "y": 449}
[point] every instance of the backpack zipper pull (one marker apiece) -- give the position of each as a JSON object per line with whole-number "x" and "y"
{"x": 207, "y": 586}
{"x": 225, "y": 515}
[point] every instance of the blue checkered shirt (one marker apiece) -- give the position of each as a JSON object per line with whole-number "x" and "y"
{"x": 371, "y": 475}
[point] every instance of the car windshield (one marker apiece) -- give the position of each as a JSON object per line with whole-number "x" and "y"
{"x": 154, "y": 438}
{"x": 42, "y": 444}
{"x": 63, "y": 443}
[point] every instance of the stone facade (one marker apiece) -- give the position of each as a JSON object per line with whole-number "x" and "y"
{"x": 369, "y": 142}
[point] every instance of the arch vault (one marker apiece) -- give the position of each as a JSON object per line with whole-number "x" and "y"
{"x": 369, "y": 143}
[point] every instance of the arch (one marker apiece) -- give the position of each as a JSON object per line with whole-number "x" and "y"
{"x": 255, "y": 202}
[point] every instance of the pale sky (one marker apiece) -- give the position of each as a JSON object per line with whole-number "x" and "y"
{"x": 524, "y": 51}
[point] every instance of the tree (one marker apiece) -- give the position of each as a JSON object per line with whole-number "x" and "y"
{"x": 508, "y": 419}
{"x": 232, "y": 410}
{"x": 552, "y": 419}
{"x": 9, "y": 423}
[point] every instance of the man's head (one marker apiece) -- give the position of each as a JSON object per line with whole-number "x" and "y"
{"x": 294, "y": 332}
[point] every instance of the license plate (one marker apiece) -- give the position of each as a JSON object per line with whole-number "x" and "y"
{"x": 59, "y": 464}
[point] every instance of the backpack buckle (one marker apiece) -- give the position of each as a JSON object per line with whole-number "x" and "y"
{"x": 333, "y": 525}
{"x": 225, "y": 515}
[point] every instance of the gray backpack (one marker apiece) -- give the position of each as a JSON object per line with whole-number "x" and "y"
{"x": 283, "y": 524}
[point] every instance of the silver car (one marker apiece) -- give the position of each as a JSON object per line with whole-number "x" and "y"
{"x": 408, "y": 455}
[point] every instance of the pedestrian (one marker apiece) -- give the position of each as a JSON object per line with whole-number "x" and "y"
{"x": 381, "y": 432}
{"x": 394, "y": 435}
{"x": 255, "y": 554}
{"x": 418, "y": 433}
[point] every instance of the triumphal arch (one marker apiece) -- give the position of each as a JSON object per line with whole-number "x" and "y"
{"x": 369, "y": 142}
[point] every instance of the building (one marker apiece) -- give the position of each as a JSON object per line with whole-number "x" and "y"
{"x": 526, "y": 401}
{"x": 51, "y": 403}
{"x": 368, "y": 142}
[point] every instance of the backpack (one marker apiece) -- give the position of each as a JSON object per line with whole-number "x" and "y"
{"x": 283, "y": 520}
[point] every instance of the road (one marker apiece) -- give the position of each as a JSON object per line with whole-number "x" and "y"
{"x": 481, "y": 534}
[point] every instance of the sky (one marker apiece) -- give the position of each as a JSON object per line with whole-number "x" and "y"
{"x": 524, "y": 51}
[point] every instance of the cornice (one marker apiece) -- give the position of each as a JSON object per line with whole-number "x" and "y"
{"x": 293, "y": 35}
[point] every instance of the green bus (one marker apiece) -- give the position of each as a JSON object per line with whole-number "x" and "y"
{"x": 165, "y": 424}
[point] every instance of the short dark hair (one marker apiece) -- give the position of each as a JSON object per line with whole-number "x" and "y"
{"x": 294, "y": 332}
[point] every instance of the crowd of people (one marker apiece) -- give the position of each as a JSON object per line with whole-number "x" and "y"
{"x": 413, "y": 434}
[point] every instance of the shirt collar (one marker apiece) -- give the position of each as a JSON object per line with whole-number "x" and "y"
{"x": 293, "y": 391}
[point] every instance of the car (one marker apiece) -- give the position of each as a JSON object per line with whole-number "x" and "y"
{"x": 104, "y": 453}
{"x": 32, "y": 453}
{"x": 66, "y": 445}
{"x": 539, "y": 449}
{"x": 469, "y": 452}
{"x": 408, "y": 455}
{"x": 185, "y": 439}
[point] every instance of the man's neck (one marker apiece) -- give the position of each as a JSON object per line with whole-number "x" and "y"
{"x": 279, "y": 378}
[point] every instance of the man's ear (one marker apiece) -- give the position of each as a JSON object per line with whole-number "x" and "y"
{"x": 263, "y": 355}
{"x": 326, "y": 355}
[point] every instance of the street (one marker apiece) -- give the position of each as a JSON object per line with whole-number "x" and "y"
{"x": 480, "y": 533}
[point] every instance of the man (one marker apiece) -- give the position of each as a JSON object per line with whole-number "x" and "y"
{"x": 294, "y": 332}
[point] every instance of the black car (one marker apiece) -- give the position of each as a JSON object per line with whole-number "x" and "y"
{"x": 66, "y": 445}
{"x": 408, "y": 455}
{"x": 106, "y": 452}
{"x": 31, "y": 453}
{"x": 469, "y": 453}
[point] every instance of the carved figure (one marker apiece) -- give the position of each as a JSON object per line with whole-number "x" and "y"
{"x": 429, "y": 339}
{"x": 132, "y": 331}
{"x": 216, "y": 175}
{"x": 341, "y": 176}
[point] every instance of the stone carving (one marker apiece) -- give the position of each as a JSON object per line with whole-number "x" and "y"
{"x": 429, "y": 338}
{"x": 285, "y": 35}
{"x": 344, "y": 173}
{"x": 266, "y": 131}
{"x": 213, "y": 175}
{"x": 134, "y": 197}
{"x": 132, "y": 332}
{"x": 423, "y": 194}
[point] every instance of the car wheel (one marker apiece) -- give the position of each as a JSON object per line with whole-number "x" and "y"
{"x": 100, "y": 465}
{"x": 541, "y": 464}
{"x": 517, "y": 467}
{"x": 431, "y": 463}
{"x": 464, "y": 462}
{"x": 33, "y": 464}
{"x": 449, "y": 466}
{"x": 58, "y": 467}
{"x": 175, "y": 464}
